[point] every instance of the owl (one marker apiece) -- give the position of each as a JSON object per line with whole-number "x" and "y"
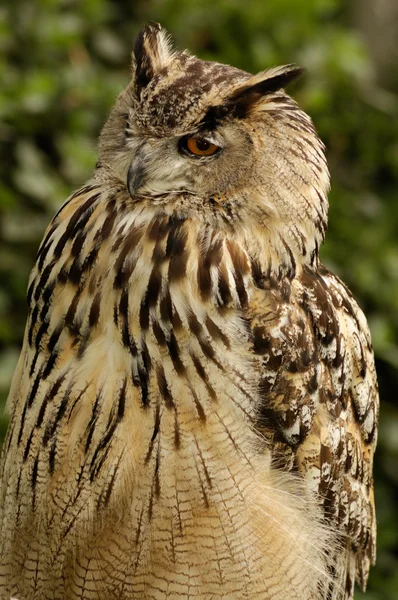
{"x": 194, "y": 412}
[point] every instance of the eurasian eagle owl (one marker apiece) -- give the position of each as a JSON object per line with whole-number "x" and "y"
{"x": 194, "y": 412}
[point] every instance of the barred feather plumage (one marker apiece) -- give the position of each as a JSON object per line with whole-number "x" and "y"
{"x": 194, "y": 412}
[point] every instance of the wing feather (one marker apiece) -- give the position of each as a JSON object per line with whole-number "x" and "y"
{"x": 320, "y": 405}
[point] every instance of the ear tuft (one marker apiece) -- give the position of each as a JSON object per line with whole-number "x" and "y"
{"x": 252, "y": 91}
{"x": 152, "y": 51}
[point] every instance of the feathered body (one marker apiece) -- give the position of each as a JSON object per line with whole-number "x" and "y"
{"x": 194, "y": 412}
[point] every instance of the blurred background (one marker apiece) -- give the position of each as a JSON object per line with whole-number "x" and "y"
{"x": 62, "y": 63}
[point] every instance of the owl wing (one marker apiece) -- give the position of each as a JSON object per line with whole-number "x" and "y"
{"x": 320, "y": 405}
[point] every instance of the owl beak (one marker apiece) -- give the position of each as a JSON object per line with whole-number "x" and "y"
{"x": 136, "y": 176}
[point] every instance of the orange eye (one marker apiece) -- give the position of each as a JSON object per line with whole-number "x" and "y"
{"x": 200, "y": 147}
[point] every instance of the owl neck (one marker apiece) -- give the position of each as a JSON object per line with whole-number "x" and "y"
{"x": 218, "y": 262}
{"x": 138, "y": 257}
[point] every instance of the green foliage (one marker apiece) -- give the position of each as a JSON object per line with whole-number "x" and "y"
{"x": 62, "y": 64}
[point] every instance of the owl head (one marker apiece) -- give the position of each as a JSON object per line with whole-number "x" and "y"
{"x": 211, "y": 141}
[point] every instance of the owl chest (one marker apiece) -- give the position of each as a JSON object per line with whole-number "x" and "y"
{"x": 188, "y": 508}
{"x": 184, "y": 446}
{"x": 171, "y": 326}
{"x": 192, "y": 377}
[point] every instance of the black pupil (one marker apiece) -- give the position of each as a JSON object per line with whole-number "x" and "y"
{"x": 202, "y": 145}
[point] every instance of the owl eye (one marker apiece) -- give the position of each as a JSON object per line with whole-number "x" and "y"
{"x": 198, "y": 146}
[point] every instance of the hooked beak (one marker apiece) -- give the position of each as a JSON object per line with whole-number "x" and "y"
{"x": 136, "y": 176}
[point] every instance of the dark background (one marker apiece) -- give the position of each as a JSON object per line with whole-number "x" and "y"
{"x": 62, "y": 64}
